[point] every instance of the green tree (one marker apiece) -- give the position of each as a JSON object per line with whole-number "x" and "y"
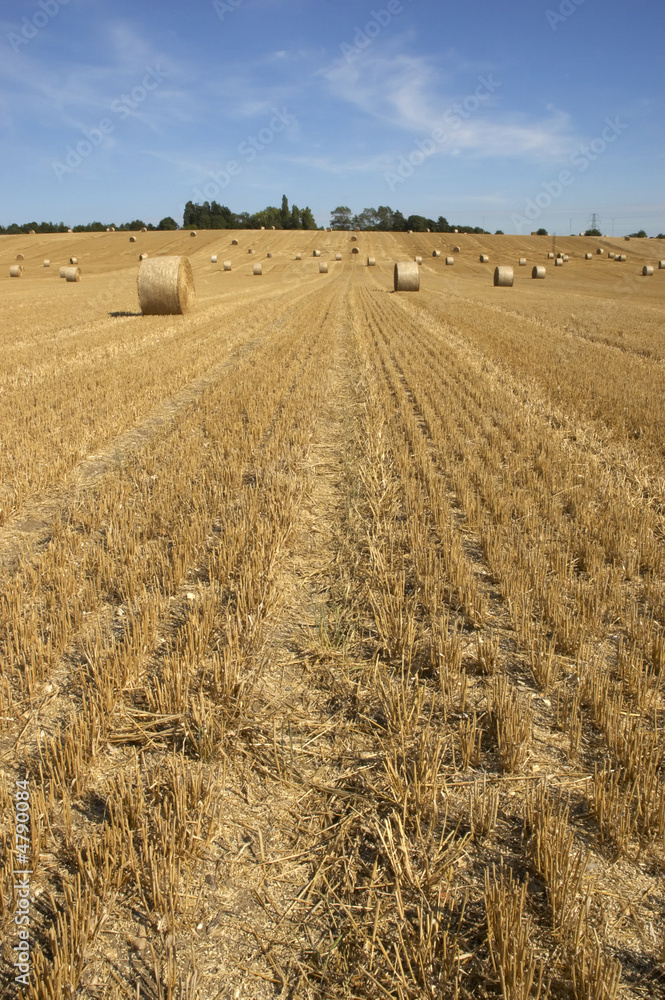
{"x": 340, "y": 218}
{"x": 443, "y": 226}
{"x": 167, "y": 223}
{"x": 593, "y": 232}
{"x": 399, "y": 223}
{"x": 639, "y": 236}
{"x": 295, "y": 221}
{"x": 542, "y": 232}
{"x": 285, "y": 215}
{"x": 307, "y": 219}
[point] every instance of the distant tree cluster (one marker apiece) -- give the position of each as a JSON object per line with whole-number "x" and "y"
{"x": 211, "y": 215}
{"x": 91, "y": 227}
{"x": 385, "y": 219}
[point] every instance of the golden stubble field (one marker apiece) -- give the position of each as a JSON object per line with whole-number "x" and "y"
{"x": 333, "y": 621}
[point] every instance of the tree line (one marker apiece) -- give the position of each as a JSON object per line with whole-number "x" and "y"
{"x": 385, "y": 219}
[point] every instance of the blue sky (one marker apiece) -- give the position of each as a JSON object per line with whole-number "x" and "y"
{"x": 510, "y": 115}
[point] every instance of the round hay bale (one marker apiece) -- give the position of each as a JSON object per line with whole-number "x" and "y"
{"x": 428, "y": 230}
{"x": 550, "y": 256}
{"x": 70, "y": 230}
{"x": 371, "y": 262}
{"x": 457, "y": 249}
{"x": 15, "y": 271}
{"x": 72, "y": 274}
{"x": 262, "y": 228}
{"x": 213, "y": 259}
{"x": 234, "y": 243}
{"x": 611, "y": 256}
{"x": 418, "y": 260}
{"x": 600, "y": 250}
{"x": 62, "y": 271}
{"x": 298, "y": 256}
{"x": 406, "y": 277}
{"x": 166, "y": 286}
{"x": 192, "y": 234}
{"x": 257, "y": 269}
{"x": 268, "y": 255}
{"x": 47, "y": 263}
{"x": 539, "y": 271}
{"x": 621, "y": 256}
{"x": 143, "y": 256}
{"x": 484, "y": 259}
{"x": 338, "y": 256}
{"x": 355, "y": 250}
{"x": 436, "y": 253}
{"x": 522, "y": 262}
{"x": 323, "y": 267}
{"x": 108, "y": 229}
{"x": 31, "y": 232}
{"x": 19, "y": 256}
{"x": 503, "y": 277}
{"x": 132, "y": 239}
{"x": 450, "y": 261}
{"x": 316, "y": 253}
{"x": 357, "y": 230}
{"x": 227, "y": 265}
{"x": 250, "y": 251}
{"x": 588, "y": 256}
{"x": 272, "y": 227}
{"x": 566, "y": 258}
{"x": 73, "y": 260}
{"x": 144, "y": 229}
{"x": 558, "y": 262}
{"x": 661, "y": 265}
{"x": 353, "y": 239}
{"x": 627, "y": 239}
{"x": 560, "y": 254}
{"x": 456, "y": 230}
{"x": 647, "y": 270}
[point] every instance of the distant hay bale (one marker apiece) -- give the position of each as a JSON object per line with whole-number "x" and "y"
{"x": 406, "y": 277}
{"x": 268, "y": 255}
{"x": 600, "y": 250}
{"x": 227, "y": 265}
{"x": 418, "y": 260}
{"x": 213, "y": 259}
{"x": 560, "y": 254}
{"x": 316, "y": 253}
{"x": 371, "y": 262}
{"x": 262, "y": 228}
{"x": 70, "y": 230}
{"x": 647, "y": 270}
{"x": 234, "y": 243}
{"x": 484, "y": 259}
{"x": 611, "y": 256}
{"x": 338, "y": 256}
{"x": 272, "y": 227}
{"x": 143, "y": 256}
{"x": 428, "y": 230}
{"x": 31, "y": 232}
{"x": 353, "y": 239}
{"x": 144, "y": 229}
{"x": 355, "y": 250}
{"x": 621, "y": 256}
{"x": 166, "y": 286}
{"x": 410, "y": 232}
{"x": 257, "y": 269}
{"x": 108, "y": 229}
{"x": 627, "y": 239}
{"x": 503, "y": 277}
{"x": 558, "y": 262}
{"x": 436, "y": 253}
{"x": 457, "y": 249}
{"x": 19, "y": 256}
{"x": 588, "y": 256}
{"x": 132, "y": 239}
{"x": 73, "y": 260}
{"x": 456, "y": 230}
{"x": 15, "y": 271}
{"x": 661, "y": 265}
{"x": 250, "y": 250}
{"x": 47, "y": 263}
{"x": 192, "y": 234}
{"x": 62, "y": 271}
{"x": 550, "y": 256}
{"x": 323, "y": 267}
{"x": 356, "y": 230}
{"x": 450, "y": 261}
{"x": 298, "y": 256}
{"x": 566, "y": 258}
{"x": 72, "y": 274}
{"x": 522, "y": 261}
{"x": 539, "y": 271}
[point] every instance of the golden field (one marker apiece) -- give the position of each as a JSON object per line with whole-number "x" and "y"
{"x": 333, "y": 620}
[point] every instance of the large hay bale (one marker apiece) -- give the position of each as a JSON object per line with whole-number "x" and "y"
{"x": 132, "y": 239}
{"x": 647, "y": 270}
{"x": 371, "y": 262}
{"x": 73, "y": 260}
{"x": 355, "y": 250}
{"x": 600, "y": 250}
{"x": 15, "y": 270}
{"x": 503, "y": 277}
{"x": 436, "y": 253}
{"x": 539, "y": 271}
{"x": 213, "y": 258}
{"x": 558, "y": 262}
{"x": 457, "y": 249}
{"x": 257, "y": 269}
{"x": 611, "y": 256}
{"x": 450, "y": 261}
{"x": 522, "y": 261}
{"x": 234, "y": 243}
{"x": 316, "y": 253}
{"x": 47, "y": 263}
{"x": 484, "y": 259}
{"x": 566, "y": 258}
{"x": 192, "y": 234}
{"x": 72, "y": 274}
{"x": 338, "y": 256}
{"x": 550, "y": 256}
{"x": 62, "y": 271}
{"x": 661, "y": 265}
{"x": 588, "y": 256}
{"x": 19, "y": 256}
{"x": 323, "y": 267}
{"x": 227, "y": 265}
{"x": 621, "y": 256}
{"x": 406, "y": 277}
{"x": 166, "y": 286}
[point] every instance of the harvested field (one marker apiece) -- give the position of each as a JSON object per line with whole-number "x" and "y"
{"x": 333, "y": 621}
